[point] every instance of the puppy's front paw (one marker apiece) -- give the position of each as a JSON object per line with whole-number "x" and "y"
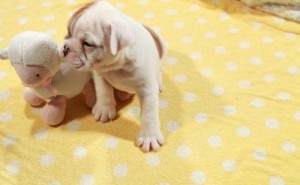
{"x": 150, "y": 140}
{"x": 104, "y": 113}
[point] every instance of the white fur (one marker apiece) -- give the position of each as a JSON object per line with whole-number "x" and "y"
{"x": 124, "y": 56}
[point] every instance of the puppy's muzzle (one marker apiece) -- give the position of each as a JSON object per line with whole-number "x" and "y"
{"x": 66, "y": 50}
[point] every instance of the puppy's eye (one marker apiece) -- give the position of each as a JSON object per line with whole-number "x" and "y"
{"x": 88, "y": 44}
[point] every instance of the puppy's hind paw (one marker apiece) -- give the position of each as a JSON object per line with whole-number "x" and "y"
{"x": 150, "y": 140}
{"x": 104, "y": 113}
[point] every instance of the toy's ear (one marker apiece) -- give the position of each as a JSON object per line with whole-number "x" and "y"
{"x": 119, "y": 35}
{"x": 3, "y": 54}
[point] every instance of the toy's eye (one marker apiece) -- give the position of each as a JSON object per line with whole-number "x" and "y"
{"x": 88, "y": 44}
{"x": 37, "y": 75}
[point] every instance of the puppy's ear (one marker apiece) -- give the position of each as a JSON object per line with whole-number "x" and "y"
{"x": 119, "y": 36}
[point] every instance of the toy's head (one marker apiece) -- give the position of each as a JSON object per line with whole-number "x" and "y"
{"x": 34, "y": 56}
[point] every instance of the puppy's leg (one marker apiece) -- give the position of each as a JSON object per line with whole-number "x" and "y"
{"x": 150, "y": 136}
{"x": 104, "y": 109}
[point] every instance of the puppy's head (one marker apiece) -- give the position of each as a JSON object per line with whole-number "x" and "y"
{"x": 95, "y": 37}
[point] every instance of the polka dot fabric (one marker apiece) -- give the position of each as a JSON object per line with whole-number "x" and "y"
{"x": 230, "y": 110}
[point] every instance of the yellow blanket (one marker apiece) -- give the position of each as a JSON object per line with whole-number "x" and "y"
{"x": 230, "y": 111}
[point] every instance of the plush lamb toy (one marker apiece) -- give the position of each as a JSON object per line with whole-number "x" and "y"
{"x": 34, "y": 56}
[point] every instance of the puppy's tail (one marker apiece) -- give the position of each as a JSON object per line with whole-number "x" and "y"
{"x": 158, "y": 41}
{"x": 3, "y": 54}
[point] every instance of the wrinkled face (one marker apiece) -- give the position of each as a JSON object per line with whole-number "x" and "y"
{"x": 84, "y": 48}
{"x": 31, "y": 75}
{"x": 92, "y": 40}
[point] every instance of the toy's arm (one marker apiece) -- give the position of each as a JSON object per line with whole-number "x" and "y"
{"x": 3, "y": 54}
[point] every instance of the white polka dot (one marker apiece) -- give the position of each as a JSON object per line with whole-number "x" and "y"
{"x": 233, "y": 30}
{"x": 244, "y": 84}
{"x": 171, "y": 11}
{"x": 51, "y": 32}
{"x": 288, "y": 147}
{"x": 275, "y": 180}
{"x": 256, "y": 25}
{"x": 134, "y": 111}
{"x": 224, "y": 16}
{"x": 201, "y": 21}
{"x": 41, "y": 134}
{"x": 244, "y": 44}
{"x": 71, "y": 2}
{"x": 267, "y": 39}
{"x": 179, "y": 25}
{"x": 120, "y": 5}
{"x": 215, "y": 141}
{"x": 2, "y": 75}
{"x": 46, "y": 4}
{"x": 184, "y": 151}
{"x": 149, "y": 15}
{"x": 220, "y": 50}
{"x": 163, "y": 104}
{"x": 278, "y": 20}
{"x": 54, "y": 182}
{"x": 272, "y": 123}
{"x": 229, "y": 110}
{"x": 206, "y": 72}
{"x": 120, "y": 170}
{"x": 290, "y": 35}
{"x": 47, "y": 160}
{"x": 190, "y": 97}
{"x": 229, "y": 165}
{"x": 171, "y": 60}
{"x": 231, "y": 66}
{"x": 79, "y": 152}
{"x": 201, "y": 118}
{"x": 9, "y": 141}
{"x": 210, "y": 35}
{"x": 152, "y": 160}
{"x": 297, "y": 116}
{"x": 73, "y": 125}
{"x": 269, "y": 78}
{"x": 243, "y": 132}
{"x": 13, "y": 167}
{"x": 256, "y": 61}
{"x": 87, "y": 179}
{"x": 198, "y": 177}
{"x": 187, "y": 39}
{"x": 172, "y": 126}
{"x": 22, "y": 20}
{"x": 5, "y": 117}
{"x": 260, "y": 154}
{"x": 48, "y": 18}
{"x": 292, "y": 70}
{"x": 181, "y": 78}
{"x": 21, "y": 7}
{"x": 112, "y": 143}
{"x": 4, "y": 94}
{"x": 194, "y": 7}
{"x": 258, "y": 103}
{"x": 284, "y": 96}
{"x": 143, "y": 2}
{"x": 218, "y": 91}
{"x": 280, "y": 55}
{"x": 196, "y": 55}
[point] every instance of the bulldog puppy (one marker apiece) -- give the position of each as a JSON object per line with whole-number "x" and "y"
{"x": 123, "y": 54}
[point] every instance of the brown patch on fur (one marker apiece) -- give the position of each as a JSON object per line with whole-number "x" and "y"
{"x": 159, "y": 44}
{"x": 72, "y": 21}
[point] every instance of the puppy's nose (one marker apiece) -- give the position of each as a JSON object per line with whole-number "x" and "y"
{"x": 66, "y": 50}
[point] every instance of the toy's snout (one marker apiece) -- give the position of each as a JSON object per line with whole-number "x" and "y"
{"x": 31, "y": 75}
